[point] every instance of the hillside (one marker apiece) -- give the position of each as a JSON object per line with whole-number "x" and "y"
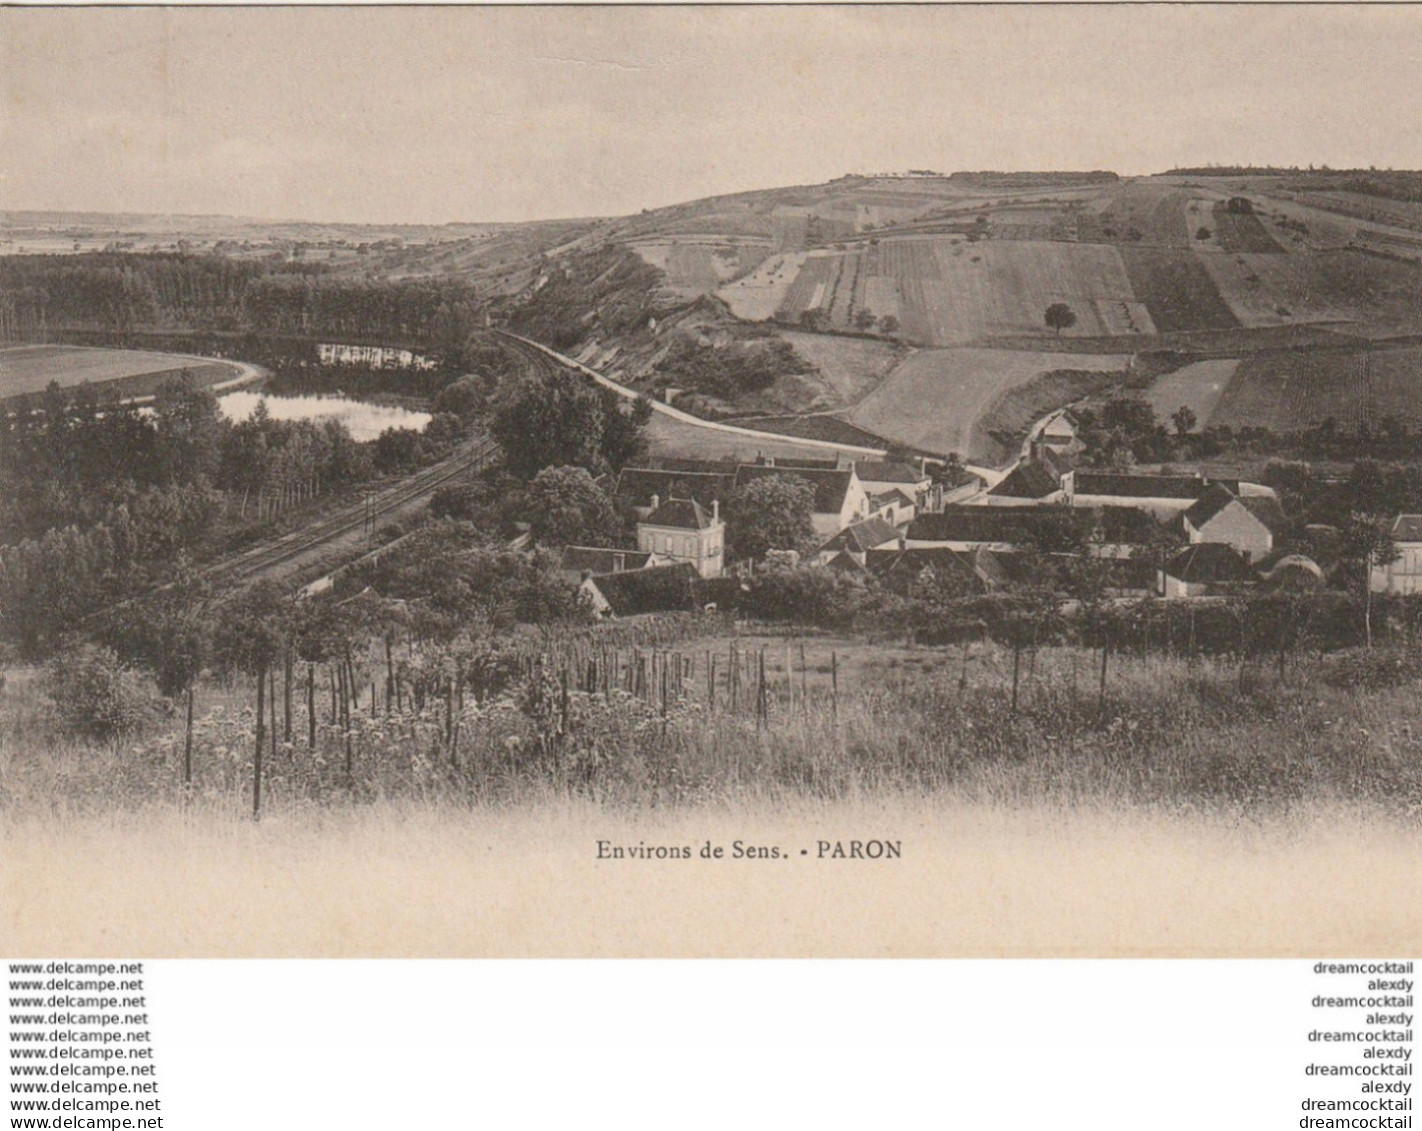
{"x": 806, "y": 298}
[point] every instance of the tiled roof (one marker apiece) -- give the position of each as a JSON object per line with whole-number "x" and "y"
{"x": 830, "y": 487}
{"x": 1138, "y": 486}
{"x": 1267, "y": 510}
{"x": 1208, "y": 562}
{"x": 1207, "y": 506}
{"x": 601, "y": 559}
{"x": 661, "y": 589}
{"x": 1407, "y": 528}
{"x": 1027, "y": 481}
{"x": 683, "y": 514}
{"x": 862, "y": 536}
{"x": 1125, "y": 525}
{"x": 989, "y": 524}
{"x": 887, "y": 471}
{"x": 637, "y": 485}
{"x": 893, "y": 495}
{"x": 902, "y": 567}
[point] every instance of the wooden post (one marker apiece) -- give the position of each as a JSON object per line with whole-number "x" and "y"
{"x": 261, "y": 738}
{"x": 188, "y": 742}
{"x": 273, "y": 709}
{"x": 288, "y": 661}
{"x": 834, "y": 687}
{"x": 310, "y": 706}
{"x": 1016, "y": 664}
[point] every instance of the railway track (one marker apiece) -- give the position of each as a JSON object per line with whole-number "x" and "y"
{"x": 261, "y": 560}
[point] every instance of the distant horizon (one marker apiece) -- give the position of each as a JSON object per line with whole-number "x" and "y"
{"x": 590, "y": 219}
{"x": 429, "y": 115}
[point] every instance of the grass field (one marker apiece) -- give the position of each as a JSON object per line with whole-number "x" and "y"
{"x": 671, "y": 437}
{"x": 29, "y": 369}
{"x": 1289, "y": 392}
{"x": 1189, "y": 817}
{"x": 935, "y": 399}
{"x": 1198, "y": 386}
{"x": 850, "y": 367}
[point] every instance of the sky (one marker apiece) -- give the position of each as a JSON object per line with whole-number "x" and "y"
{"x": 437, "y": 115}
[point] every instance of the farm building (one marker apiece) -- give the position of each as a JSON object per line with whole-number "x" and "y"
{"x": 579, "y": 562}
{"x": 681, "y": 530}
{"x": 879, "y": 476}
{"x": 1204, "y": 569}
{"x": 1003, "y": 528}
{"x": 1405, "y": 574}
{"x": 1027, "y": 483}
{"x": 894, "y": 507}
{"x": 1249, "y": 524}
{"x": 840, "y": 499}
{"x": 1163, "y": 495}
{"x": 639, "y": 592}
{"x": 858, "y": 539}
{"x": 901, "y": 570}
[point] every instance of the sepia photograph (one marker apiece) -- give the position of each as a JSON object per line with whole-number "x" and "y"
{"x": 711, "y": 481}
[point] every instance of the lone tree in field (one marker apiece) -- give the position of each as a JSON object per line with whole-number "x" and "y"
{"x": 1366, "y": 544}
{"x": 1060, "y": 317}
{"x": 1184, "y": 419}
{"x": 773, "y": 513}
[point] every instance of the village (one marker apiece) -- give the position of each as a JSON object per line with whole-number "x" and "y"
{"x": 1168, "y": 536}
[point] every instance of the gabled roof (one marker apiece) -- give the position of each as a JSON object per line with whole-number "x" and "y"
{"x": 1407, "y": 528}
{"x": 683, "y": 514}
{"x": 602, "y": 559}
{"x": 1027, "y": 481}
{"x": 1138, "y": 486}
{"x": 845, "y": 561}
{"x": 862, "y": 537}
{"x": 1267, "y": 510}
{"x": 806, "y": 463}
{"x": 637, "y": 485}
{"x": 893, "y": 495}
{"x": 1208, "y": 563}
{"x": 990, "y": 524}
{"x": 707, "y": 466}
{"x": 1207, "y": 506}
{"x": 661, "y": 589}
{"x": 830, "y": 487}
{"x": 902, "y": 567}
{"x": 888, "y": 471}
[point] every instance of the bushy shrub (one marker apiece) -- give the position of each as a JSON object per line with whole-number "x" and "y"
{"x": 95, "y": 694}
{"x": 1370, "y": 669}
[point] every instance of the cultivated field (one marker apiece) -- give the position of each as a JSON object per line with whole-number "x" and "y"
{"x": 1176, "y": 289}
{"x": 945, "y": 290}
{"x": 29, "y": 369}
{"x": 1288, "y": 392}
{"x": 1198, "y": 386}
{"x": 760, "y": 294}
{"x": 935, "y": 399}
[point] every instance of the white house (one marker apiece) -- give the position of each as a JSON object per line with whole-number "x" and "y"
{"x": 680, "y": 530}
{"x": 1405, "y": 574}
{"x": 1248, "y": 524}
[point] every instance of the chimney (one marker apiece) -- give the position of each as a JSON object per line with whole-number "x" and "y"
{"x": 715, "y": 511}
{"x": 656, "y": 501}
{"x": 619, "y": 562}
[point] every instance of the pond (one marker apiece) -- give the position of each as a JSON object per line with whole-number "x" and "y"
{"x": 366, "y": 421}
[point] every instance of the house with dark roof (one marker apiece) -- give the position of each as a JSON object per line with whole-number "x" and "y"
{"x": 1405, "y": 574}
{"x": 640, "y": 592}
{"x": 1029, "y": 482}
{"x": 858, "y": 539}
{"x": 1205, "y": 569}
{"x": 1165, "y": 496}
{"x": 642, "y": 488}
{"x": 839, "y": 497}
{"x": 1000, "y": 528}
{"x": 900, "y": 570}
{"x": 579, "y": 562}
{"x": 880, "y": 476}
{"x": 1249, "y": 524}
{"x": 681, "y": 530}
{"x": 894, "y": 507}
